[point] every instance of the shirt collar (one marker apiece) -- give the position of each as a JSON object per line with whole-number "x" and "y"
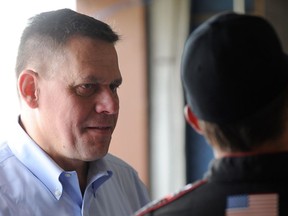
{"x": 45, "y": 169}
{"x": 99, "y": 172}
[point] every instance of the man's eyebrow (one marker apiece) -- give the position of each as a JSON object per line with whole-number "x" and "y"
{"x": 97, "y": 80}
{"x": 90, "y": 78}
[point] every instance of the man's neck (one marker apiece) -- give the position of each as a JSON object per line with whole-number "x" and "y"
{"x": 81, "y": 168}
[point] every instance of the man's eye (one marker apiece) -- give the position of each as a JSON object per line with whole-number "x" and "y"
{"x": 114, "y": 88}
{"x": 115, "y": 85}
{"x": 85, "y": 90}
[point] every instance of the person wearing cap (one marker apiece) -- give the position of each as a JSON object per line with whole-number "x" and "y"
{"x": 55, "y": 160}
{"x": 235, "y": 78}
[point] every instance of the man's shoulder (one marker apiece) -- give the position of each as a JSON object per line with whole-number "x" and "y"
{"x": 169, "y": 200}
{"x": 121, "y": 170}
{"x": 114, "y": 161}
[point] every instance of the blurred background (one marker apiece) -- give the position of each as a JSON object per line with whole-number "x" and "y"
{"x": 151, "y": 134}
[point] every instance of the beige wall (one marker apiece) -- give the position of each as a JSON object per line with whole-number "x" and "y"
{"x": 130, "y": 139}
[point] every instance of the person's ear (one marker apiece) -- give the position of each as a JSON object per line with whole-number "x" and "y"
{"x": 192, "y": 119}
{"x": 27, "y": 85}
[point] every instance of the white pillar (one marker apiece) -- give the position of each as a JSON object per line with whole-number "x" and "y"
{"x": 169, "y": 25}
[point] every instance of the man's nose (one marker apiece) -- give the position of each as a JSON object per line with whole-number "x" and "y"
{"x": 107, "y": 101}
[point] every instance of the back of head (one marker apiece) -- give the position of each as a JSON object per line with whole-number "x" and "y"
{"x": 233, "y": 68}
{"x": 49, "y": 31}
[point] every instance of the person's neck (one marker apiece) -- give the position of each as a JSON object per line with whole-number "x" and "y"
{"x": 83, "y": 177}
{"x": 81, "y": 168}
{"x": 269, "y": 147}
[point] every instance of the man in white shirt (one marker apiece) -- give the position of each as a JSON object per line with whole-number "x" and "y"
{"x": 56, "y": 163}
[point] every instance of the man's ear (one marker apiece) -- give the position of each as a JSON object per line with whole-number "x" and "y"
{"x": 27, "y": 85}
{"x": 192, "y": 119}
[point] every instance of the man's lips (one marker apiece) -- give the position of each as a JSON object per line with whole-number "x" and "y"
{"x": 100, "y": 124}
{"x": 99, "y": 128}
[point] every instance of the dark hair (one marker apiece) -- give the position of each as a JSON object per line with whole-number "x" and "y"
{"x": 249, "y": 133}
{"x": 233, "y": 65}
{"x": 235, "y": 76}
{"x": 48, "y": 32}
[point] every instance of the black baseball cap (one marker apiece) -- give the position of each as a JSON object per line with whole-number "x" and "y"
{"x": 233, "y": 66}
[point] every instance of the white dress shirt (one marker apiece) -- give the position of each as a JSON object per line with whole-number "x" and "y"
{"x": 31, "y": 183}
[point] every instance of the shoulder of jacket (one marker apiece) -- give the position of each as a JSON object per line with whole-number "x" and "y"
{"x": 156, "y": 204}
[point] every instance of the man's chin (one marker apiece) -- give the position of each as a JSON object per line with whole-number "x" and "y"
{"x": 93, "y": 157}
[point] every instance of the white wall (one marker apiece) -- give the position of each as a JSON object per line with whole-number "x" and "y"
{"x": 13, "y": 18}
{"x": 169, "y": 25}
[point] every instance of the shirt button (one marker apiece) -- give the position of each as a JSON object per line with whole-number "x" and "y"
{"x": 57, "y": 193}
{"x": 67, "y": 175}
